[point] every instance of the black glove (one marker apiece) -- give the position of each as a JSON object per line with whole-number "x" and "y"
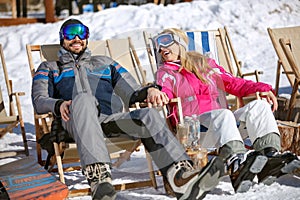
{"x": 58, "y": 131}
{"x": 46, "y": 142}
{"x": 58, "y": 134}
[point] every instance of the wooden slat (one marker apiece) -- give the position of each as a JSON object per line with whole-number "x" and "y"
{"x": 119, "y": 187}
{"x": 18, "y": 21}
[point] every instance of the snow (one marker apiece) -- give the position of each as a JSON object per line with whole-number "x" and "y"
{"x": 247, "y": 22}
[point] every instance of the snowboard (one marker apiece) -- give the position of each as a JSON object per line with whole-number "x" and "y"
{"x": 26, "y": 179}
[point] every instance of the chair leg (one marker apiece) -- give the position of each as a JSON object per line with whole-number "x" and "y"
{"x": 293, "y": 99}
{"x": 151, "y": 170}
{"x": 59, "y": 163}
{"x": 168, "y": 187}
{"x": 38, "y": 146}
{"x": 123, "y": 158}
{"x": 277, "y": 77}
{"x": 24, "y": 138}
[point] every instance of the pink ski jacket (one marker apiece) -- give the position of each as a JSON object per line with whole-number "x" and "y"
{"x": 198, "y": 97}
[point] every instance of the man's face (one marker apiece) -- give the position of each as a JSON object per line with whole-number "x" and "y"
{"x": 75, "y": 45}
{"x": 75, "y": 37}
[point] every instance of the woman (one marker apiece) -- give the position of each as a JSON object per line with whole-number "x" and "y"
{"x": 200, "y": 84}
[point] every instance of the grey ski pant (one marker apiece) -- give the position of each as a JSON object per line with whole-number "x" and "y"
{"x": 89, "y": 129}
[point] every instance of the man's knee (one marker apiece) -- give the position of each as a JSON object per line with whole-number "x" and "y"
{"x": 150, "y": 117}
{"x": 151, "y": 113}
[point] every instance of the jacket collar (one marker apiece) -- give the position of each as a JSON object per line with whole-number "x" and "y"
{"x": 173, "y": 65}
{"x": 176, "y": 65}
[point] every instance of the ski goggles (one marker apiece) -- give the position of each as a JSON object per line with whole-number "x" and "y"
{"x": 70, "y": 31}
{"x": 166, "y": 40}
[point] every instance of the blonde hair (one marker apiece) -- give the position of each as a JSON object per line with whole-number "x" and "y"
{"x": 192, "y": 61}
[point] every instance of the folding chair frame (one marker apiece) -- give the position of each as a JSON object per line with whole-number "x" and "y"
{"x": 13, "y": 119}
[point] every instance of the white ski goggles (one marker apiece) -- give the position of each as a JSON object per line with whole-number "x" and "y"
{"x": 166, "y": 40}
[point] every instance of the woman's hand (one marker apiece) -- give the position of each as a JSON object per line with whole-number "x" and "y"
{"x": 64, "y": 110}
{"x": 156, "y": 97}
{"x": 271, "y": 98}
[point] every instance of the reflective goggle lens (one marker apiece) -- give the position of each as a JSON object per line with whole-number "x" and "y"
{"x": 72, "y": 30}
{"x": 163, "y": 40}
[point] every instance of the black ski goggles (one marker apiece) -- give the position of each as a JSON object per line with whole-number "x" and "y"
{"x": 166, "y": 40}
{"x": 70, "y": 31}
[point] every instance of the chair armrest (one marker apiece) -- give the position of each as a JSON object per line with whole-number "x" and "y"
{"x": 42, "y": 116}
{"x": 18, "y": 93}
{"x": 138, "y": 105}
{"x": 256, "y": 73}
{"x": 250, "y": 97}
{"x": 258, "y": 95}
{"x": 252, "y": 73}
{"x": 18, "y": 104}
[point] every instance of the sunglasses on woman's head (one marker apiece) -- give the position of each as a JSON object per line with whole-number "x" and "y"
{"x": 70, "y": 31}
{"x": 166, "y": 40}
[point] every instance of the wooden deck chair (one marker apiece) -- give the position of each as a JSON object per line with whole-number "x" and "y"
{"x": 124, "y": 52}
{"x": 290, "y": 33}
{"x": 215, "y": 44}
{"x": 10, "y": 117}
{"x": 291, "y": 49}
{"x": 114, "y": 145}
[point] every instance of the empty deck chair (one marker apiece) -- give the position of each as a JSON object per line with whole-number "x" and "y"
{"x": 291, "y": 49}
{"x": 284, "y": 67}
{"x": 275, "y": 34}
{"x": 124, "y": 52}
{"x": 114, "y": 145}
{"x": 11, "y": 116}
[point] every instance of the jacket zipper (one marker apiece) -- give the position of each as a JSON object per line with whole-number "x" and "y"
{"x": 80, "y": 77}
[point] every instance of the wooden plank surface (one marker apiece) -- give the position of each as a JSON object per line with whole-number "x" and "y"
{"x": 18, "y": 21}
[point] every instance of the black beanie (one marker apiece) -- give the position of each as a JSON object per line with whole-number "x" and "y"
{"x": 69, "y": 21}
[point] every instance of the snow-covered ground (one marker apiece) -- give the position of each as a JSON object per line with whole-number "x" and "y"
{"x": 247, "y": 22}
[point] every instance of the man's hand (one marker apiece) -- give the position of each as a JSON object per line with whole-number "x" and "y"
{"x": 156, "y": 97}
{"x": 64, "y": 110}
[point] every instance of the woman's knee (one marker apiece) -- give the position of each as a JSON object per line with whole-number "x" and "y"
{"x": 261, "y": 106}
{"x": 226, "y": 114}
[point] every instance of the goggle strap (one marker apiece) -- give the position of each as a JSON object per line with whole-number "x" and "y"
{"x": 180, "y": 41}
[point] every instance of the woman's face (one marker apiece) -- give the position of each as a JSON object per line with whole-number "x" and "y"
{"x": 170, "y": 53}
